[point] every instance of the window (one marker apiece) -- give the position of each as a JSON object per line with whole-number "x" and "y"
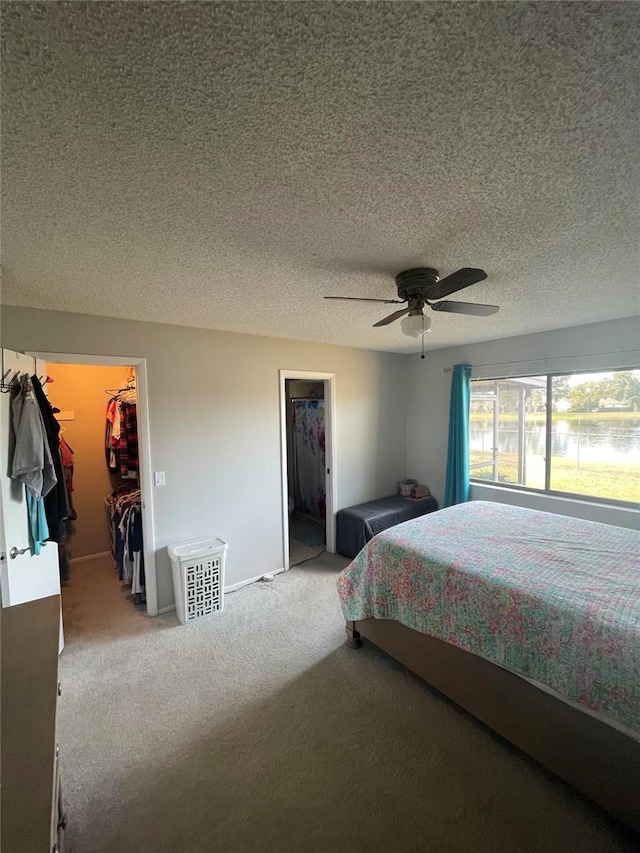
{"x": 586, "y": 442}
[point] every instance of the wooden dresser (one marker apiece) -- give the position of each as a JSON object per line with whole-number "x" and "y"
{"x": 31, "y": 817}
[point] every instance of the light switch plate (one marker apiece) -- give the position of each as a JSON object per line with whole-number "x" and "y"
{"x": 159, "y": 478}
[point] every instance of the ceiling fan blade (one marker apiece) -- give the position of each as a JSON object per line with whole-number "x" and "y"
{"x": 364, "y": 299}
{"x": 395, "y": 316}
{"x": 465, "y": 308}
{"x": 456, "y": 281}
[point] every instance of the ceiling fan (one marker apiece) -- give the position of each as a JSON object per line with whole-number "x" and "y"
{"x": 422, "y": 286}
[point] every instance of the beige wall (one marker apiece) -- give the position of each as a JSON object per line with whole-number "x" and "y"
{"x": 80, "y": 389}
{"x": 215, "y": 425}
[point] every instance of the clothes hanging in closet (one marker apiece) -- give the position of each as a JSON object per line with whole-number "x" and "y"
{"x": 66, "y": 454}
{"x": 56, "y": 502}
{"x": 32, "y": 464}
{"x": 129, "y": 461}
{"x": 124, "y": 513}
{"x": 66, "y": 527}
{"x": 121, "y": 437}
{"x": 37, "y": 462}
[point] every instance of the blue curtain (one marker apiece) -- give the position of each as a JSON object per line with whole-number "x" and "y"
{"x": 457, "y": 485}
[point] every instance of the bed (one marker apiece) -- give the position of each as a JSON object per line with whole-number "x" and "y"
{"x": 528, "y": 620}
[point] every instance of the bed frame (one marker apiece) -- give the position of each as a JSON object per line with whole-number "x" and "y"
{"x": 598, "y": 760}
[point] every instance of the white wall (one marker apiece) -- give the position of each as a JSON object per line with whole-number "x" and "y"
{"x": 597, "y": 346}
{"x": 214, "y": 416}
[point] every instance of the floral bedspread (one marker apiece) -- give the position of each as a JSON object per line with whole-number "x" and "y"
{"x": 550, "y": 598}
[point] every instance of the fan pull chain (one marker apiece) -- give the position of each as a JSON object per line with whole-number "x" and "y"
{"x": 422, "y": 336}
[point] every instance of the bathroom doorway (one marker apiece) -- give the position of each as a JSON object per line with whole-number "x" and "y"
{"x": 307, "y": 479}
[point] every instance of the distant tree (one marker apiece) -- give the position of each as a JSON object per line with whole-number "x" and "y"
{"x": 508, "y": 399}
{"x": 560, "y": 389}
{"x": 586, "y": 396}
{"x": 623, "y": 387}
{"x": 560, "y": 386}
{"x": 626, "y": 384}
{"x": 537, "y": 400}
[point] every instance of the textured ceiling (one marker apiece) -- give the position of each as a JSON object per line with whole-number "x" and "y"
{"x": 225, "y": 165}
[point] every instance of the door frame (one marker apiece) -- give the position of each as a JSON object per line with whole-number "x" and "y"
{"x": 329, "y": 380}
{"x": 144, "y": 452}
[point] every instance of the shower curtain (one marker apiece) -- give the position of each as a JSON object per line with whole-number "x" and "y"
{"x": 308, "y": 457}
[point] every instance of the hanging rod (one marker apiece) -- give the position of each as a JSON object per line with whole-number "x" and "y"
{"x": 115, "y": 391}
{"x": 555, "y": 358}
{"x": 11, "y": 384}
{"x": 6, "y": 387}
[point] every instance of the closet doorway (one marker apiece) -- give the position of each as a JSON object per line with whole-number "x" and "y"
{"x": 308, "y": 479}
{"x": 101, "y": 406}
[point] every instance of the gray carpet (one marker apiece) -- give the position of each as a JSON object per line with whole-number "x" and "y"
{"x": 258, "y": 730}
{"x": 301, "y": 553}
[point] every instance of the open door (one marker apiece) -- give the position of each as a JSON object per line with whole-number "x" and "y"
{"x": 23, "y": 575}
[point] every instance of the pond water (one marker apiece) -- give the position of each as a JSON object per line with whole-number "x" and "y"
{"x": 587, "y": 438}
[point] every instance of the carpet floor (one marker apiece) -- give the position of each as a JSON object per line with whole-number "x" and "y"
{"x": 301, "y": 553}
{"x": 258, "y": 730}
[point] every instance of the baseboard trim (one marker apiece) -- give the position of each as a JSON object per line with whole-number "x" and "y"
{"x": 233, "y": 588}
{"x": 236, "y": 586}
{"x": 87, "y": 559}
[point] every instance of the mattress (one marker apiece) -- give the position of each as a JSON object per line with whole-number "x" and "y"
{"x": 553, "y": 599}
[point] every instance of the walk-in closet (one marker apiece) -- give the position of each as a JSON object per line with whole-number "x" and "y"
{"x": 99, "y": 530}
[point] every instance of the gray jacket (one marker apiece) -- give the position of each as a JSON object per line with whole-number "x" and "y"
{"x": 32, "y": 463}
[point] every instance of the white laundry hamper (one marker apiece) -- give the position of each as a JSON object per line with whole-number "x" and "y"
{"x": 198, "y": 577}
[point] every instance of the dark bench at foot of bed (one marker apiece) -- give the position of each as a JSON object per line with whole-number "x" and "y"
{"x": 356, "y": 525}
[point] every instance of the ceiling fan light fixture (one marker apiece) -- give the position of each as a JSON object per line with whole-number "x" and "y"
{"x": 415, "y": 325}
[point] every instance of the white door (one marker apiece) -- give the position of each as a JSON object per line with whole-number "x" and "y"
{"x": 23, "y": 576}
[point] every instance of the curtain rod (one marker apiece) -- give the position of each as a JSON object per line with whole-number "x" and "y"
{"x": 549, "y": 358}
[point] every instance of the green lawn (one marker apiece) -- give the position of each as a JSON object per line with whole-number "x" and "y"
{"x": 596, "y": 479}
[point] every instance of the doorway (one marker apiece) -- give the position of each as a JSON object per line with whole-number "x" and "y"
{"x": 98, "y": 380}
{"x": 307, "y": 451}
{"x": 100, "y": 542}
